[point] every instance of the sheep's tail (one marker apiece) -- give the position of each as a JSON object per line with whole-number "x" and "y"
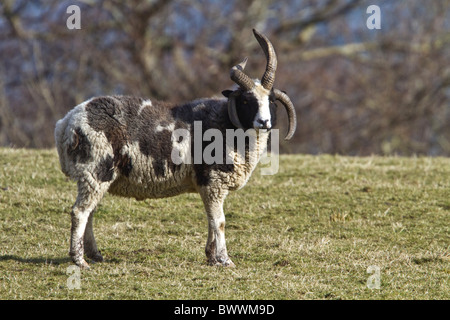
{"x": 61, "y": 139}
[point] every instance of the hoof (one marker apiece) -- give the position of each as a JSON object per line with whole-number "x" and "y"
{"x": 228, "y": 264}
{"x": 80, "y": 262}
{"x": 97, "y": 257}
{"x": 222, "y": 263}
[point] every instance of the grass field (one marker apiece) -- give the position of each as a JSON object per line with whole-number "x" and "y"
{"x": 309, "y": 232}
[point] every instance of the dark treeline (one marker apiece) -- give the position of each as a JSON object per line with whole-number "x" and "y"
{"x": 357, "y": 91}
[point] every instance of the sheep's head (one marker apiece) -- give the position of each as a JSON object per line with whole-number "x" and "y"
{"x": 252, "y": 105}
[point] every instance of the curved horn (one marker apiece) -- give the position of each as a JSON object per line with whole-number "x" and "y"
{"x": 237, "y": 75}
{"x": 288, "y": 105}
{"x": 269, "y": 75}
{"x": 232, "y": 113}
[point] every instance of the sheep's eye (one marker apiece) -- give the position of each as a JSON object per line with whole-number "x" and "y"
{"x": 272, "y": 97}
{"x": 245, "y": 101}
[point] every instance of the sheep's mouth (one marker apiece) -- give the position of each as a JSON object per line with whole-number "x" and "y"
{"x": 263, "y": 130}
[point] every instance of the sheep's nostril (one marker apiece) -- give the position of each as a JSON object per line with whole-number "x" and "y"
{"x": 264, "y": 123}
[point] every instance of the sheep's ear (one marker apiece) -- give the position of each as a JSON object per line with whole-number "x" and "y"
{"x": 227, "y": 93}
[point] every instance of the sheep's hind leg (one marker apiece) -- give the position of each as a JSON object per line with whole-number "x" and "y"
{"x": 89, "y": 194}
{"x": 90, "y": 245}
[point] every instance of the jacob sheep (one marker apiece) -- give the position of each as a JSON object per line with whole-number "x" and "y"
{"x": 124, "y": 145}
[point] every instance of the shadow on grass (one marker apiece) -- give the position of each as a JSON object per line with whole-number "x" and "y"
{"x": 37, "y": 260}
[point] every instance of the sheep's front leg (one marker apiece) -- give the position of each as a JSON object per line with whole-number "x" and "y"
{"x": 216, "y": 250}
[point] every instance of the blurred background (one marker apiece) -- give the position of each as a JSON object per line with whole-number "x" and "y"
{"x": 357, "y": 91}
